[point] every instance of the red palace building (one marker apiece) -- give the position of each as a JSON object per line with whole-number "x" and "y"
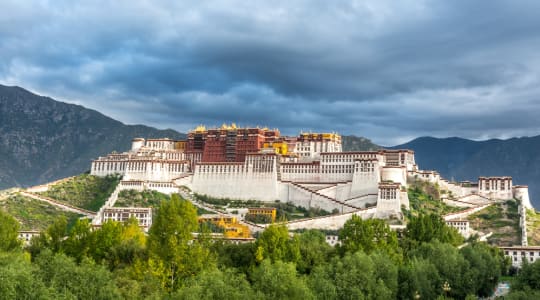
{"x": 228, "y": 143}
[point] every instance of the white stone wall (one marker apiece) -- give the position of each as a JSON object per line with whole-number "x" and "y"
{"x": 389, "y": 201}
{"x": 517, "y": 254}
{"x": 334, "y": 222}
{"x": 465, "y": 213}
{"x": 521, "y": 192}
{"x": 122, "y": 214}
{"x": 366, "y": 178}
{"x": 235, "y": 182}
{"x": 462, "y": 227}
{"x": 395, "y": 174}
{"x": 104, "y": 167}
{"x": 137, "y": 144}
{"x": 304, "y": 197}
{"x": 155, "y": 170}
{"x": 497, "y": 188}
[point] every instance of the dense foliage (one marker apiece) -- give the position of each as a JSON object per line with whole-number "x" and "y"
{"x": 117, "y": 261}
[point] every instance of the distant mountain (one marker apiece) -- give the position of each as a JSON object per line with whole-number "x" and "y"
{"x": 354, "y": 143}
{"x": 42, "y": 139}
{"x": 462, "y": 159}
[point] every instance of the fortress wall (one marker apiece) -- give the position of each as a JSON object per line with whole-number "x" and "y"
{"x": 521, "y": 192}
{"x": 458, "y": 203}
{"x": 301, "y": 177}
{"x": 330, "y": 191}
{"x": 162, "y": 187}
{"x": 496, "y": 188}
{"x": 235, "y": 182}
{"x": 343, "y": 191}
{"x": 330, "y": 222}
{"x": 155, "y": 170}
{"x": 340, "y": 191}
{"x": 107, "y": 167}
{"x": 289, "y": 192}
{"x": 389, "y": 200}
{"x": 404, "y": 200}
{"x": 184, "y": 181}
{"x": 395, "y": 174}
{"x": 497, "y": 195}
{"x": 465, "y": 213}
{"x": 363, "y": 201}
{"x": 337, "y": 176}
{"x": 364, "y": 183}
{"x": 131, "y": 185}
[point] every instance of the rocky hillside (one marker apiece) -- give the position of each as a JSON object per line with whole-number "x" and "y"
{"x": 42, "y": 139}
{"x": 462, "y": 159}
{"x": 355, "y": 143}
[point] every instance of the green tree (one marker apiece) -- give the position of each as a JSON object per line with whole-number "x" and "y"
{"x": 528, "y": 278}
{"x": 52, "y": 238}
{"x": 419, "y": 278}
{"x": 9, "y": 232}
{"x": 451, "y": 266}
{"x": 85, "y": 281}
{"x": 523, "y": 295}
{"x": 104, "y": 239}
{"x": 173, "y": 252}
{"x": 279, "y": 280}
{"x": 131, "y": 246}
{"x": 368, "y": 236}
{"x": 17, "y": 280}
{"x": 216, "y": 284}
{"x": 314, "y": 250}
{"x": 80, "y": 240}
{"x": 56, "y": 233}
{"x": 355, "y": 276}
{"x": 485, "y": 267}
{"x": 427, "y": 227}
{"x": 274, "y": 243}
{"x": 238, "y": 256}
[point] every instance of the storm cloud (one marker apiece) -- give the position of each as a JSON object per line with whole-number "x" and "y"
{"x": 387, "y": 70}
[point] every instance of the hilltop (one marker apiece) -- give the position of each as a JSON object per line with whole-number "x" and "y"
{"x": 43, "y": 139}
{"x": 462, "y": 159}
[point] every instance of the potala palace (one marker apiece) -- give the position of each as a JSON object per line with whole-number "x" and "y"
{"x": 309, "y": 170}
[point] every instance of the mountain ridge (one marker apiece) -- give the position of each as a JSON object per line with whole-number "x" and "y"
{"x": 42, "y": 139}
{"x": 463, "y": 159}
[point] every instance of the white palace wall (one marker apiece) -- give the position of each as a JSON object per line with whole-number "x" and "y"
{"x": 396, "y": 174}
{"x": 521, "y": 192}
{"x": 304, "y": 197}
{"x": 235, "y": 181}
{"x": 366, "y": 178}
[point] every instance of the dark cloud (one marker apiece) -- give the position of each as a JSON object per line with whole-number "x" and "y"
{"x": 387, "y": 70}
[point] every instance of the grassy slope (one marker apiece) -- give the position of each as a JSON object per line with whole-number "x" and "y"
{"x": 34, "y": 214}
{"x": 84, "y": 191}
{"x": 533, "y": 227}
{"x": 133, "y": 198}
{"x": 502, "y": 219}
{"x": 424, "y": 198}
